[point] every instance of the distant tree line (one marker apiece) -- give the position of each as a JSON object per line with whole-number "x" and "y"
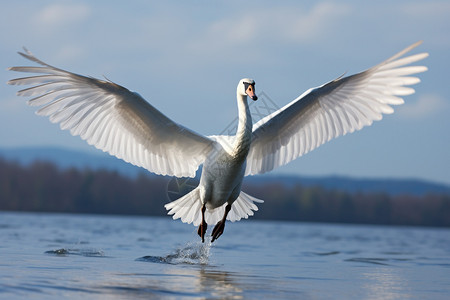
{"x": 43, "y": 187}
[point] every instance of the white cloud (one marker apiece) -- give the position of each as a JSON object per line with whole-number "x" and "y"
{"x": 275, "y": 25}
{"x": 314, "y": 24}
{"x": 426, "y": 105}
{"x": 55, "y": 15}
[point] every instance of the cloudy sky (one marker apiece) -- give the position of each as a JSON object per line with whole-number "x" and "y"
{"x": 186, "y": 57}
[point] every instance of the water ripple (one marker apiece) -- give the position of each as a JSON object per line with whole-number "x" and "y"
{"x": 369, "y": 260}
{"x": 82, "y": 252}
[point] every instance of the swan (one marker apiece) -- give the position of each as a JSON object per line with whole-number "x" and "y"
{"x": 120, "y": 122}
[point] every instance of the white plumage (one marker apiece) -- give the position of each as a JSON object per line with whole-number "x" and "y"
{"x": 122, "y": 123}
{"x": 333, "y": 109}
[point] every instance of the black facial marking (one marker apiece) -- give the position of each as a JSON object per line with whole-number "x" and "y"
{"x": 246, "y": 84}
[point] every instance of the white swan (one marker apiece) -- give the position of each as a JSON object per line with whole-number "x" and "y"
{"x": 122, "y": 123}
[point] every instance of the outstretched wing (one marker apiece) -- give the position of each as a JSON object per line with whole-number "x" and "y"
{"x": 113, "y": 119}
{"x": 333, "y": 109}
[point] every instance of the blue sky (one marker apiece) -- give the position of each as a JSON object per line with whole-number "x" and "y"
{"x": 186, "y": 57}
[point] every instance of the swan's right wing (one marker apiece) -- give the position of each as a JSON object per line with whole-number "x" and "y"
{"x": 113, "y": 119}
{"x": 333, "y": 109}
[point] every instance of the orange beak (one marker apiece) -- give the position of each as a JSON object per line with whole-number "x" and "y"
{"x": 251, "y": 92}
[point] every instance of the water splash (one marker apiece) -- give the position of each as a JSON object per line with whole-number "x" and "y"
{"x": 193, "y": 253}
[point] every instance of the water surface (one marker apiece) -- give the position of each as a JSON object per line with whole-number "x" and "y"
{"x": 50, "y": 256}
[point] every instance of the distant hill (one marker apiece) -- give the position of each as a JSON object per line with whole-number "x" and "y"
{"x": 64, "y": 158}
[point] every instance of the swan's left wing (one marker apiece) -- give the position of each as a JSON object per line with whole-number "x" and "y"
{"x": 333, "y": 109}
{"x": 113, "y": 119}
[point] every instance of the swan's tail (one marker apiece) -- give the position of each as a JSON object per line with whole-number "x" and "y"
{"x": 188, "y": 208}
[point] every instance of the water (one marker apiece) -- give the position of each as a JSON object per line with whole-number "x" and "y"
{"x": 54, "y": 256}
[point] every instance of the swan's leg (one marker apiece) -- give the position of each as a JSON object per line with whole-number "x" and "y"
{"x": 220, "y": 226}
{"x": 202, "y": 228}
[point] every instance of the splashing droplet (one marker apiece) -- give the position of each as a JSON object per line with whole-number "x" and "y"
{"x": 193, "y": 253}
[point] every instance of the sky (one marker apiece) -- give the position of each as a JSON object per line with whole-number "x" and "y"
{"x": 186, "y": 58}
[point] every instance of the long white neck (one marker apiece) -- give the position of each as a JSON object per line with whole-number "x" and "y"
{"x": 244, "y": 131}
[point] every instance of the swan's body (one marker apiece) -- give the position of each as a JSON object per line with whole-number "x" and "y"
{"x": 122, "y": 123}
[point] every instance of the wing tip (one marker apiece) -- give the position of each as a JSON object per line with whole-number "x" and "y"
{"x": 406, "y": 50}
{"x": 419, "y": 42}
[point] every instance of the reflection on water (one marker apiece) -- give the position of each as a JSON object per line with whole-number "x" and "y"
{"x": 386, "y": 283}
{"x": 201, "y": 282}
{"x": 219, "y": 284}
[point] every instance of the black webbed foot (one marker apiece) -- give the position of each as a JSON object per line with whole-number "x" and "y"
{"x": 218, "y": 230}
{"x": 220, "y": 226}
{"x": 203, "y": 226}
{"x": 202, "y": 230}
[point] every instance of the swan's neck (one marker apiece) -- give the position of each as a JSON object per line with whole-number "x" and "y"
{"x": 244, "y": 130}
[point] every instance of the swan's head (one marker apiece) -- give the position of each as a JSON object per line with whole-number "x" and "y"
{"x": 246, "y": 87}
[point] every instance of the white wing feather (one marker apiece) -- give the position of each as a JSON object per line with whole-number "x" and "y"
{"x": 333, "y": 109}
{"x": 113, "y": 119}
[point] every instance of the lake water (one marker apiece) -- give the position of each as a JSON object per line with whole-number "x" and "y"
{"x": 58, "y": 256}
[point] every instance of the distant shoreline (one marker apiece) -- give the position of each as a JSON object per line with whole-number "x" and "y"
{"x": 43, "y": 187}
